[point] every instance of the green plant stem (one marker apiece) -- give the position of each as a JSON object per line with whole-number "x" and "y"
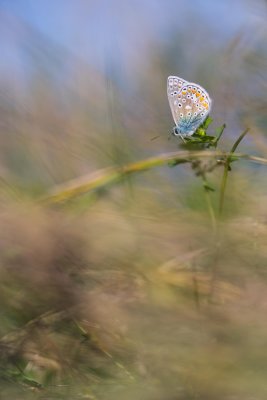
{"x": 108, "y": 176}
{"x": 220, "y": 132}
{"x": 211, "y": 210}
{"x": 209, "y": 205}
{"x": 228, "y": 160}
{"x": 226, "y": 170}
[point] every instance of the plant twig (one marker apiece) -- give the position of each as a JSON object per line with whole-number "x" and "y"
{"x": 226, "y": 170}
{"x": 108, "y": 176}
{"x": 210, "y": 209}
{"x": 220, "y": 132}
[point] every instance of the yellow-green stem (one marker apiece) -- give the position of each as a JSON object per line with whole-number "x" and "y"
{"x": 108, "y": 176}
{"x": 226, "y": 170}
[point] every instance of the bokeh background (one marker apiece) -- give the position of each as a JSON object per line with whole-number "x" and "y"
{"x": 129, "y": 292}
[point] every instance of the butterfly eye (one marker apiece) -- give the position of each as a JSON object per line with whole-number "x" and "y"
{"x": 179, "y": 105}
{"x": 181, "y": 115}
{"x": 188, "y": 96}
{"x": 189, "y": 114}
{"x": 195, "y": 114}
{"x": 202, "y": 114}
{"x": 199, "y": 91}
{"x": 183, "y": 100}
{"x": 175, "y": 92}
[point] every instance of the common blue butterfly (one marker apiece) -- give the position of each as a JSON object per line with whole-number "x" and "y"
{"x": 190, "y": 105}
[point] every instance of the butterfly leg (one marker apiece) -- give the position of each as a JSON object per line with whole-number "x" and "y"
{"x": 176, "y": 133}
{"x": 180, "y": 137}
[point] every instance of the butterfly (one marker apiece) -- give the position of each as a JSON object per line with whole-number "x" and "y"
{"x": 190, "y": 105}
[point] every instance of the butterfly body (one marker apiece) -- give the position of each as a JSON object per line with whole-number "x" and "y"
{"x": 190, "y": 105}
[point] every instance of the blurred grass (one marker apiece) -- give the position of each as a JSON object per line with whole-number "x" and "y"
{"x": 116, "y": 302}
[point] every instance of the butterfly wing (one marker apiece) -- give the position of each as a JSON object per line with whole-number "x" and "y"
{"x": 174, "y": 86}
{"x": 194, "y": 105}
{"x": 190, "y": 104}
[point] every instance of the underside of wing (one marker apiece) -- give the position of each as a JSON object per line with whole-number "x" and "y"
{"x": 193, "y": 101}
{"x": 190, "y": 104}
{"x": 174, "y": 86}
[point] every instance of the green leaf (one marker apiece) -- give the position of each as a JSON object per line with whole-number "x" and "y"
{"x": 207, "y": 123}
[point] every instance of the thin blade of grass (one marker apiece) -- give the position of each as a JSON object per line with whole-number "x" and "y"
{"x": 226, "y": 170}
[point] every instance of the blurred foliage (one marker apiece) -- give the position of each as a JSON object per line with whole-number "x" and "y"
{"x": 138, "y": 288}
